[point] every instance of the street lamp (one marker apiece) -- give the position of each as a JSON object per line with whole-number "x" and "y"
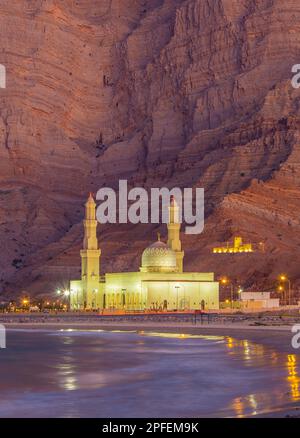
{"x": 280, "y": 289}
{"x": 67, "y": 295}
{"x": 25, "y": 302}
{"x": 285, "y": 279}
{"x": 225, "y": 281}
{"x": 240, "y": 290}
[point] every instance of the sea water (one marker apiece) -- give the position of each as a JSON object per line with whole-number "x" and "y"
{"x": 104, "y": 374}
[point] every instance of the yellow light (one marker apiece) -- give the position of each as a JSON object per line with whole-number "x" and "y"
{"x": 25, "y": 301}
{"x": 282, "y": 277}
{"x": 291, "y": 358}
{"x": 230, "y": 342}
{"x": 293, "y": 377}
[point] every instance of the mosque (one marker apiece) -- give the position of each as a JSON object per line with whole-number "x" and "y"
{"x": 160, "y": 284}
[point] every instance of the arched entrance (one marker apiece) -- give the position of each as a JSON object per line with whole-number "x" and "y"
{"x": 184, "y": 304}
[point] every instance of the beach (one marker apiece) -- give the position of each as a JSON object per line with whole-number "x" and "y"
{"x": 270, "y": 329}
{"x": 258, "y": 350}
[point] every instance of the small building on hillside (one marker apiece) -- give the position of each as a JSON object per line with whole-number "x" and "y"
{"x": 237, "y": 247}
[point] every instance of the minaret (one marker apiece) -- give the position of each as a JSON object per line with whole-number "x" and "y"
{"x": 90, "y": 256}
{"x": 174, "y": 226}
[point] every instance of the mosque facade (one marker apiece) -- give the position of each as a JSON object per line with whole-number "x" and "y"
{"x": 161, "y": 283}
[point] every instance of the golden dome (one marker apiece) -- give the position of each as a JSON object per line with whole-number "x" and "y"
{"x": 158, "y": 257}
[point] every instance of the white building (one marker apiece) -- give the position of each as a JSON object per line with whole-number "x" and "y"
{"x": 258, "y": 300}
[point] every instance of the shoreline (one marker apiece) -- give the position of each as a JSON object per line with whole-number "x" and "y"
{"x": 276, "y": 337}
{"x": 147, "y": 325}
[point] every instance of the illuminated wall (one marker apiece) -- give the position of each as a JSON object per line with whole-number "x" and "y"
{"x": 237, "y": 247}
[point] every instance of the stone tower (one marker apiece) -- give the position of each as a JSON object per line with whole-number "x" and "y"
{"x": 174, "y": 226}
{"x": 90, "y": 257}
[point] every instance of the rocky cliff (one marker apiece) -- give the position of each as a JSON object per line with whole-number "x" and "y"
{"x": 160, "y": 92}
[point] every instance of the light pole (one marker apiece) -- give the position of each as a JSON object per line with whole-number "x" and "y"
{"x": 58, "y": 293}
{"x": 280, "y": 289}
{"x": 225, "y": 281}
{"x": 240, "y": 290}
{"x": 67, "y": 295}
{"x": 285, "y": 279}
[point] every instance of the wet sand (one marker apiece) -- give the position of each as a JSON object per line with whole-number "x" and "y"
{"x": 269, "y": 330}
{"x": 277, "y": 337}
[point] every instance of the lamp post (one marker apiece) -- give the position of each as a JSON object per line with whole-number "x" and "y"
{"x": 280, "y": 289}
{"x": 67, "y": 295}
{"x": 25, "y": 303}
{"x": 285, "y": 279}
{"x": 58, "y": 293}
{"x": 240, "y": 290}
{"x": 225, "y": 281}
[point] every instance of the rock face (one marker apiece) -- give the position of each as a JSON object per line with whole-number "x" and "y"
{"x": 188, "y": 93}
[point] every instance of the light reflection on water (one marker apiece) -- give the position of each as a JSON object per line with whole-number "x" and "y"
{"x": 263, "y": 401}
{"x": 142, "y": 374}
{"x": 293, "y": 377}
{"x": 180, "y": 336}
